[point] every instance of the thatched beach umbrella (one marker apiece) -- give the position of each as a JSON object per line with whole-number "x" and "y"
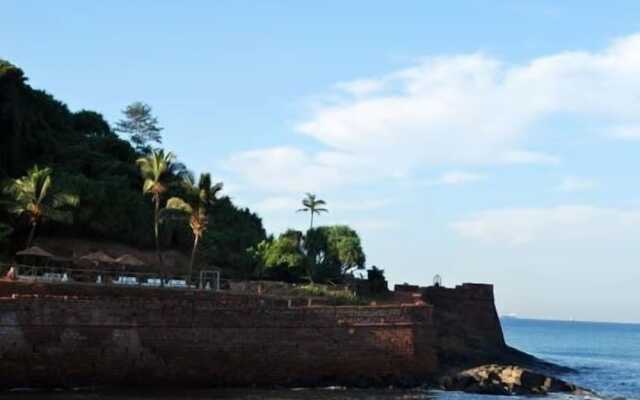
{"x": 129, "y": 260}
{"x": 35, "y": 251}
{"x": 35, "y": 254}
{"x": 97, "y": 258}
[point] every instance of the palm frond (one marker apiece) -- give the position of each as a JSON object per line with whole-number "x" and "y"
{"x": 43, "y": 188}
{"x": 66, "y": 200}
{"x": 176, "y": 203}
{"x": 148, "y": 185}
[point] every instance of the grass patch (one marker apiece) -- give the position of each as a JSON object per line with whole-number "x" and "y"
{"x": 339, "y": 297}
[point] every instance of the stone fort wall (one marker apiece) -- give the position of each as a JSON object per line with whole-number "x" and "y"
{"x": 61, "y": 335}
{"x": 49, "y": 338}
{"x": 468, "y": 327}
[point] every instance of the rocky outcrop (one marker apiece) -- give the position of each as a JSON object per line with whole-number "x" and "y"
{"x": 508, "y": 380}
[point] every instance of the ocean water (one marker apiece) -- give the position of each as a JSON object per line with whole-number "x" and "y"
{"x": 606, "y": 356}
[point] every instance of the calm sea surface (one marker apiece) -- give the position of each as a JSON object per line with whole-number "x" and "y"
{"x": 607, "y": 357}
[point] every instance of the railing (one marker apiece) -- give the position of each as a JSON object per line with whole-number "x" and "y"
{"x": 207, "y": 280}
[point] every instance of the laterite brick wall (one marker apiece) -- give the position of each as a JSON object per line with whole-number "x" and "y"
{"x": 58, "y": 335}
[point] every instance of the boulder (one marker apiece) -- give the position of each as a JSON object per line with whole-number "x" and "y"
{"x": 507, "y": 380}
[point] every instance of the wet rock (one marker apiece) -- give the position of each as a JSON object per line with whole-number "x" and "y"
{"x": 507, "y": 380}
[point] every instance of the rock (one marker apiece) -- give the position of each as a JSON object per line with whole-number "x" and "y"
{"x": 507, "y": 380}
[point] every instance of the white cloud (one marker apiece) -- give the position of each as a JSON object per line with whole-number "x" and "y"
{"x": 629, "y": 132}
{"x": 529, "y": 157}
{"x": 576, "y": 184}
{"x": 278, "y": 203}
{"x": 456, "y": 110}
{"x": 293, "y": 170}
{"x": 520, "y": 226}
{"x": 459, "y": 177}
{"x": 361, "y": 87}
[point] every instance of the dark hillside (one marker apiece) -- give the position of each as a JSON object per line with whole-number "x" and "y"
{"x": 91, "y": 161}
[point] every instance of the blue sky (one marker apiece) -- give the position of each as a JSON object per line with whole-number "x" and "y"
{"x": 488, "y": 141}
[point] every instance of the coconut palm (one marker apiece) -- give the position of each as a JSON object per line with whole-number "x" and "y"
{"x": 194, "y": 208}
{"x": 153, "y": 167}
{"x": 31, "y": 195}
{"x": 313, "y": 205}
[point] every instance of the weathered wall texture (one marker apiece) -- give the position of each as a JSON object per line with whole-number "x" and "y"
{"x": 208, "y": 340}
{"x": 468, "y": 327}
{"x": 107, "y": 336}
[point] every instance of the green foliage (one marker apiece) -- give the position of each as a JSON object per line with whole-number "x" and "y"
{"x": 89, "y": 160}
{"x": 91, "y": 124}
{"x": 338, "y": 297}
{"x": 5, "y": 231}
{"x": 10, "y": 71}
{"x": 31, "y": 196}
{"x": 141, "y": 126}
{"x": 327, "y": 253}
{"x": 335, "y": 251}
{"x": 194, "y": 209}
{"x": 284, "y": 258}
{"x": 231, "y": 231}
{"x": 153, "y": 167}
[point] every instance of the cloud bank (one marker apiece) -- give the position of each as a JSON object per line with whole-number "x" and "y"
{"x": 523, "y": 226}
{"x": 458, "y": 110}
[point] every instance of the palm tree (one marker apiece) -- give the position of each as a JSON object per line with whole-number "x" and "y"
{"x": 313, "y": 205}
{"x": 194, "y": 208}
{"x": 31, "y": 196}
{"x": 153, "y": 167}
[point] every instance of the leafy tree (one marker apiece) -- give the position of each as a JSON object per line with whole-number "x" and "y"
{"x": 258, "y": 254}
{"x": 313, "y": 205}
{"x": 346, "y": 248}
{"x": 284, "y": 257}
{"x": 231, "y": 232}
{"x": 5, "y": 231}
{"x": 91, "y": 124}
{"x": 327, "y": 253}
{"x": 194, "y": 208}
{"x": 140, "y": 124}
{"x": 335, "y": 251}
{"x": 8, "y": 69}
{"x": 31, "y": 196}
{"x": 91, "y": 161}
{"x": 153, "y": 167}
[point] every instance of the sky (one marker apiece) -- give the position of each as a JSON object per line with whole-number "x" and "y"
{"x": 485, "y": 141}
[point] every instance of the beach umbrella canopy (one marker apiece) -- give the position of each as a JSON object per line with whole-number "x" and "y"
{"x": 128, "y": 259}
{"x": 98, "y": 256}
{"x": 35, "y": 251}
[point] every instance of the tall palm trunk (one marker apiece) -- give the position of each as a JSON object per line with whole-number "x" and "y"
{"x": 193, "y": 256}
{"x": 31, "y": 234}
{"x": 311, "y": 226}
{"x": 156, "y": 223}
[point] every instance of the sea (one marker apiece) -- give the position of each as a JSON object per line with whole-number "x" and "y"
{"x": 606, "y": 357}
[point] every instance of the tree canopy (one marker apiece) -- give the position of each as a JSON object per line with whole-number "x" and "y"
{"x": 88, "y": 158}
{"x": 141, "y": 126}
{"x": 326, "y": 253}
{"x": 85, "y": 159}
